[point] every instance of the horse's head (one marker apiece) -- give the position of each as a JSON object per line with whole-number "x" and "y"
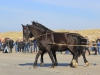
{"x": 26, "y": 33}
{"x": 35, "y": 30}
{"x": 43, "y": 28}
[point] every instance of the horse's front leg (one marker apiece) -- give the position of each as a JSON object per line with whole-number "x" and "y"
{"x": 51, "y": 57}
{"x": 36, "y": 58}
{"x": 74, "y": 62}
{"x": 85, "y": 60}
{"x": 41, "y": 60}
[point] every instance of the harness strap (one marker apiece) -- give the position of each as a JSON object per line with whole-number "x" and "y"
{"x": 53, "y": 43}
{"x": 52, "y": 36}
{"x": 46, "y": 36}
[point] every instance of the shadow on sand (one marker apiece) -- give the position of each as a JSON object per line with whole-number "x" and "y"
{"x": 45, "y": 64}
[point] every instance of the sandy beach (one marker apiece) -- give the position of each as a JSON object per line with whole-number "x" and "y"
{"x": 21, "y": 64}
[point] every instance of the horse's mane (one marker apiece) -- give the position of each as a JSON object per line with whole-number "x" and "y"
{"x": 43, "y": 27}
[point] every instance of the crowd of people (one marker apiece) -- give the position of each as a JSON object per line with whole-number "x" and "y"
{"x": 93, "y": 45}
{"x": 7, "y": 45}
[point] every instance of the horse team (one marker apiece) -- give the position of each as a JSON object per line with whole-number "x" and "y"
{"x": 50, "y": 41}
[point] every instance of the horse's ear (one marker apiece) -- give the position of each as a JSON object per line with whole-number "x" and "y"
{"x": 33, "y": 22}
{"x": 22, "y": 24}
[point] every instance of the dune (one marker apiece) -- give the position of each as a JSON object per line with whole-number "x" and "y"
{"x": 93, "y": 34}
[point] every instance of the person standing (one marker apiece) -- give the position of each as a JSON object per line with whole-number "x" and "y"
{"x": 23, "y": 46}
{"x": 93, "y": 46}
{"x": 11, "y": 44}
{"x": 31, "y": 46}
{"x": 0, "y": 45}
{"x": 26, "y": 49}
{"x": 16, "y": 45}
{"x": 5, "y": 46}
{"x": 98, "y": 45}
{"x": 87, "y": 47}
{"x": 19, "y": 46}
{"x": 35, "y": 45}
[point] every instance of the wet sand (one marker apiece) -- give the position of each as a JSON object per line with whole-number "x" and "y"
{"x": 22, "y": 64}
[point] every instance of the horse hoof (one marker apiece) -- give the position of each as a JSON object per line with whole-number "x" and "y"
{"x": 70, "y": 64}
{"x": 74, "y": 64}
{"x": 56, "y": 64}
{"x": 34, "y": 66}
{"x": 52, "y": 67}
{"x": 87, "y": 63}
{"x": 42, "y": 64}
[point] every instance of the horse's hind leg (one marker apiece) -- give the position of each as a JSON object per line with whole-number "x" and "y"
{"x": 85, "y": 60}
{"x": 54, "y": 55}
{"x": 36, "y": 58}
{"x": 41, "y": 60}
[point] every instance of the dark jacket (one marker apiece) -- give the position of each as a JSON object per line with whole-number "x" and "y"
{"x": 23, "y": 44}
{"x": 0, "y": 44}
{"x": 98, "y": 42}
{"x": 20, "y": 44}
{"x": 11, "y": 43}
{"x": 35, "y": 42}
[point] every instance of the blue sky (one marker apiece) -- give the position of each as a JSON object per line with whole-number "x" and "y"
{"x": 54, "y": 14}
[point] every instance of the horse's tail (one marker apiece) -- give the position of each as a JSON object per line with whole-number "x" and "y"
{"x": 82, "y": 42}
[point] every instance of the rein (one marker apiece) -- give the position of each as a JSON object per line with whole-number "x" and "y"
{"x": 69, "y": 44}
{"x": 42, "y": 35}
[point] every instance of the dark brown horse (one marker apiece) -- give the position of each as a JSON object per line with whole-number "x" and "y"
{"x": 59, "y": 41}
{"x": 46, "y": 30}
{"x": 29, "y": 35}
